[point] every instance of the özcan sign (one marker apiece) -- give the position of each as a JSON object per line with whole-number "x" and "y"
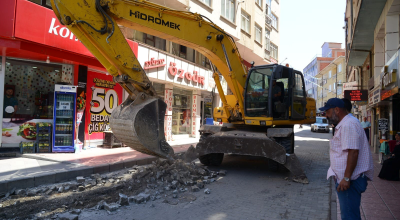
{"x": 174, "y": 71}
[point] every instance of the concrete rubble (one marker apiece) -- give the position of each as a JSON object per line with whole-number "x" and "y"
{"x": 171, "y": 180}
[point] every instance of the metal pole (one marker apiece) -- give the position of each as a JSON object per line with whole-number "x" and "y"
{"x": 336, "y": 77}
{"x": 2, "y": 79}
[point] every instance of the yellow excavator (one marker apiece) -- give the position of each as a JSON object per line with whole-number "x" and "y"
{"x": 258, "y": 116}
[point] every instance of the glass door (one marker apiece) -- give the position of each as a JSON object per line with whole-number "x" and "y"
{"x": 64, "y": 122}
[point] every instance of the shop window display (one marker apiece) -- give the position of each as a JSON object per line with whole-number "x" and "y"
{"x": 181, "y": 111}
{"x": 29, "y": 96}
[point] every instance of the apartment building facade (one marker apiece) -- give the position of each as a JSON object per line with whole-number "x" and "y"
{"x": 330, "y": 81}
{"x": 372, "y": 57}
{"x": 330, "y": 51}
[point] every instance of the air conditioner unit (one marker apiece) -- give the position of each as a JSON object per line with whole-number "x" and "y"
{"x": 268, "y": 20}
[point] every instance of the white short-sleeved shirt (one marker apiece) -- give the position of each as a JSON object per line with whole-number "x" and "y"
{"x": 350, "y": 135}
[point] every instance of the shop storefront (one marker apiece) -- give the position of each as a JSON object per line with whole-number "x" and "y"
{"x": 187, "y": 88}
{"x": 38, "y": 53}
{"x": 384, "y": 102}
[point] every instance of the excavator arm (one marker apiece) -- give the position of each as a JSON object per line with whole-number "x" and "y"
{"x": 138, "y": 122}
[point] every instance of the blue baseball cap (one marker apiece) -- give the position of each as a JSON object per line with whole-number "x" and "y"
{"x": 333, "y": 103}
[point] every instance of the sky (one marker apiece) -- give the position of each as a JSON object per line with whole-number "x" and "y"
{"x": 305, "y": 25}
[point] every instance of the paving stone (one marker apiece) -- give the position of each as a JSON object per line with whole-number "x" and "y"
{"x": 139, "y": 199}
{"x": 145, "y": 196}
{"x": 80, "y": 179}
{"x": 100, "y": 205}
{"x": 111, "y": 207}
{"x": 32, "y": 192}
{"x": 131, "y": 199}
{"x": 195, "y": 189}
{"x": 67, "y": 216}
{"x": 123, "y": 199}
{"x": 49, "y": 192}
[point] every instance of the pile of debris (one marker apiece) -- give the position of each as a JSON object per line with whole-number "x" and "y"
{"x": 174, "y": 181}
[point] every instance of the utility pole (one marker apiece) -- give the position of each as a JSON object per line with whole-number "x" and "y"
{"x": 335, "y": 77}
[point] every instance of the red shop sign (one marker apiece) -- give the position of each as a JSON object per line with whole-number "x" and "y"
{"x": 153, "y": 63}
{"x": 39, "y": 24}
{"x": 173, "y": 70}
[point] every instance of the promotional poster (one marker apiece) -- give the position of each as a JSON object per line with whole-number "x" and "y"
{"x": 103, "y": 95}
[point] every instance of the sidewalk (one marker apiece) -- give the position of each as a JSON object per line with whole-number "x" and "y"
{"x": 29, "y": 170}
{"x": 381, "y": 200}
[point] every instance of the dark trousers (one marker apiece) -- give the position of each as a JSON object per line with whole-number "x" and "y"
{"x": 367, "y": 133}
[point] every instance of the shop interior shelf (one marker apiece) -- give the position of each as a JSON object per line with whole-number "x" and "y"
{"x": 64, "y": 124}
{"x": 63, "y": 116}
{"x": 63, "y": 134}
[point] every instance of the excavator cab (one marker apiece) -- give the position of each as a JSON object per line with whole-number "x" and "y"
{"x": 273, "y": 91}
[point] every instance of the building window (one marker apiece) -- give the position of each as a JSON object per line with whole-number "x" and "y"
{"x": 334, "y": 86}
{"x": 258, "y": 33}
{"x": 274, "y": 21}
{"x": 259, "y": 2}
{"x": 330, "y": 88}
{"x": 267, "y": 39}
{"x": 207, "y": 2}
{"x": 154, "y": 41}
{"x": 274, "y": 51}
{"x": 246, "y": 22}
{"x": 268, "y": 7}
{"x": 340, "y": 68}
{"x": 228, "y": 9}
{"x": 183, "y": 52}
{"x": 45, "y": 3}
{"x": 330, "y": 74}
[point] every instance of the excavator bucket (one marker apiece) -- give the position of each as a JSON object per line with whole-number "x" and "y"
{"x": 140, "y": 125}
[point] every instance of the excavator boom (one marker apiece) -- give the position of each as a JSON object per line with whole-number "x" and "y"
{"x": 139, "y": 121}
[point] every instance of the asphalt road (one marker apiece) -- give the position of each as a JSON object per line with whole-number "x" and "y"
{"x": 249, "y": 190}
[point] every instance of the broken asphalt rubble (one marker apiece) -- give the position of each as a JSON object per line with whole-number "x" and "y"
{"x": 173, "y": 180}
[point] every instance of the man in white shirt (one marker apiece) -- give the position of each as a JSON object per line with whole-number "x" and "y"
{"x": 366, "y": 125}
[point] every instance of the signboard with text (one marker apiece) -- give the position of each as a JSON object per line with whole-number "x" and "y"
{"x": 356, "y": 95}
{"x": 103, "y": 96}
{"x": 383, "y": 124}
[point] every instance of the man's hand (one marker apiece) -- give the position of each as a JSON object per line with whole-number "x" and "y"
{"x": 343, "y": 185}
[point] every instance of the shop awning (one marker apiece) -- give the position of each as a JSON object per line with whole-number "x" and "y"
{"x": 363, "y": 37}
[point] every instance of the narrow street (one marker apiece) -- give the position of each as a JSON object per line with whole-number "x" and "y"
{"x": 249, "y": 190}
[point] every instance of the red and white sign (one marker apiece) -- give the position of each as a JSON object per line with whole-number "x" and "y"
{"x": 39, "y": 24}
{"x": 194, "y": 110}
{"x": 153, "y": 63}
{"x": 181, "y": 73}
{"x": 103, "y": 96}
{"x": 168, "y": 98}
